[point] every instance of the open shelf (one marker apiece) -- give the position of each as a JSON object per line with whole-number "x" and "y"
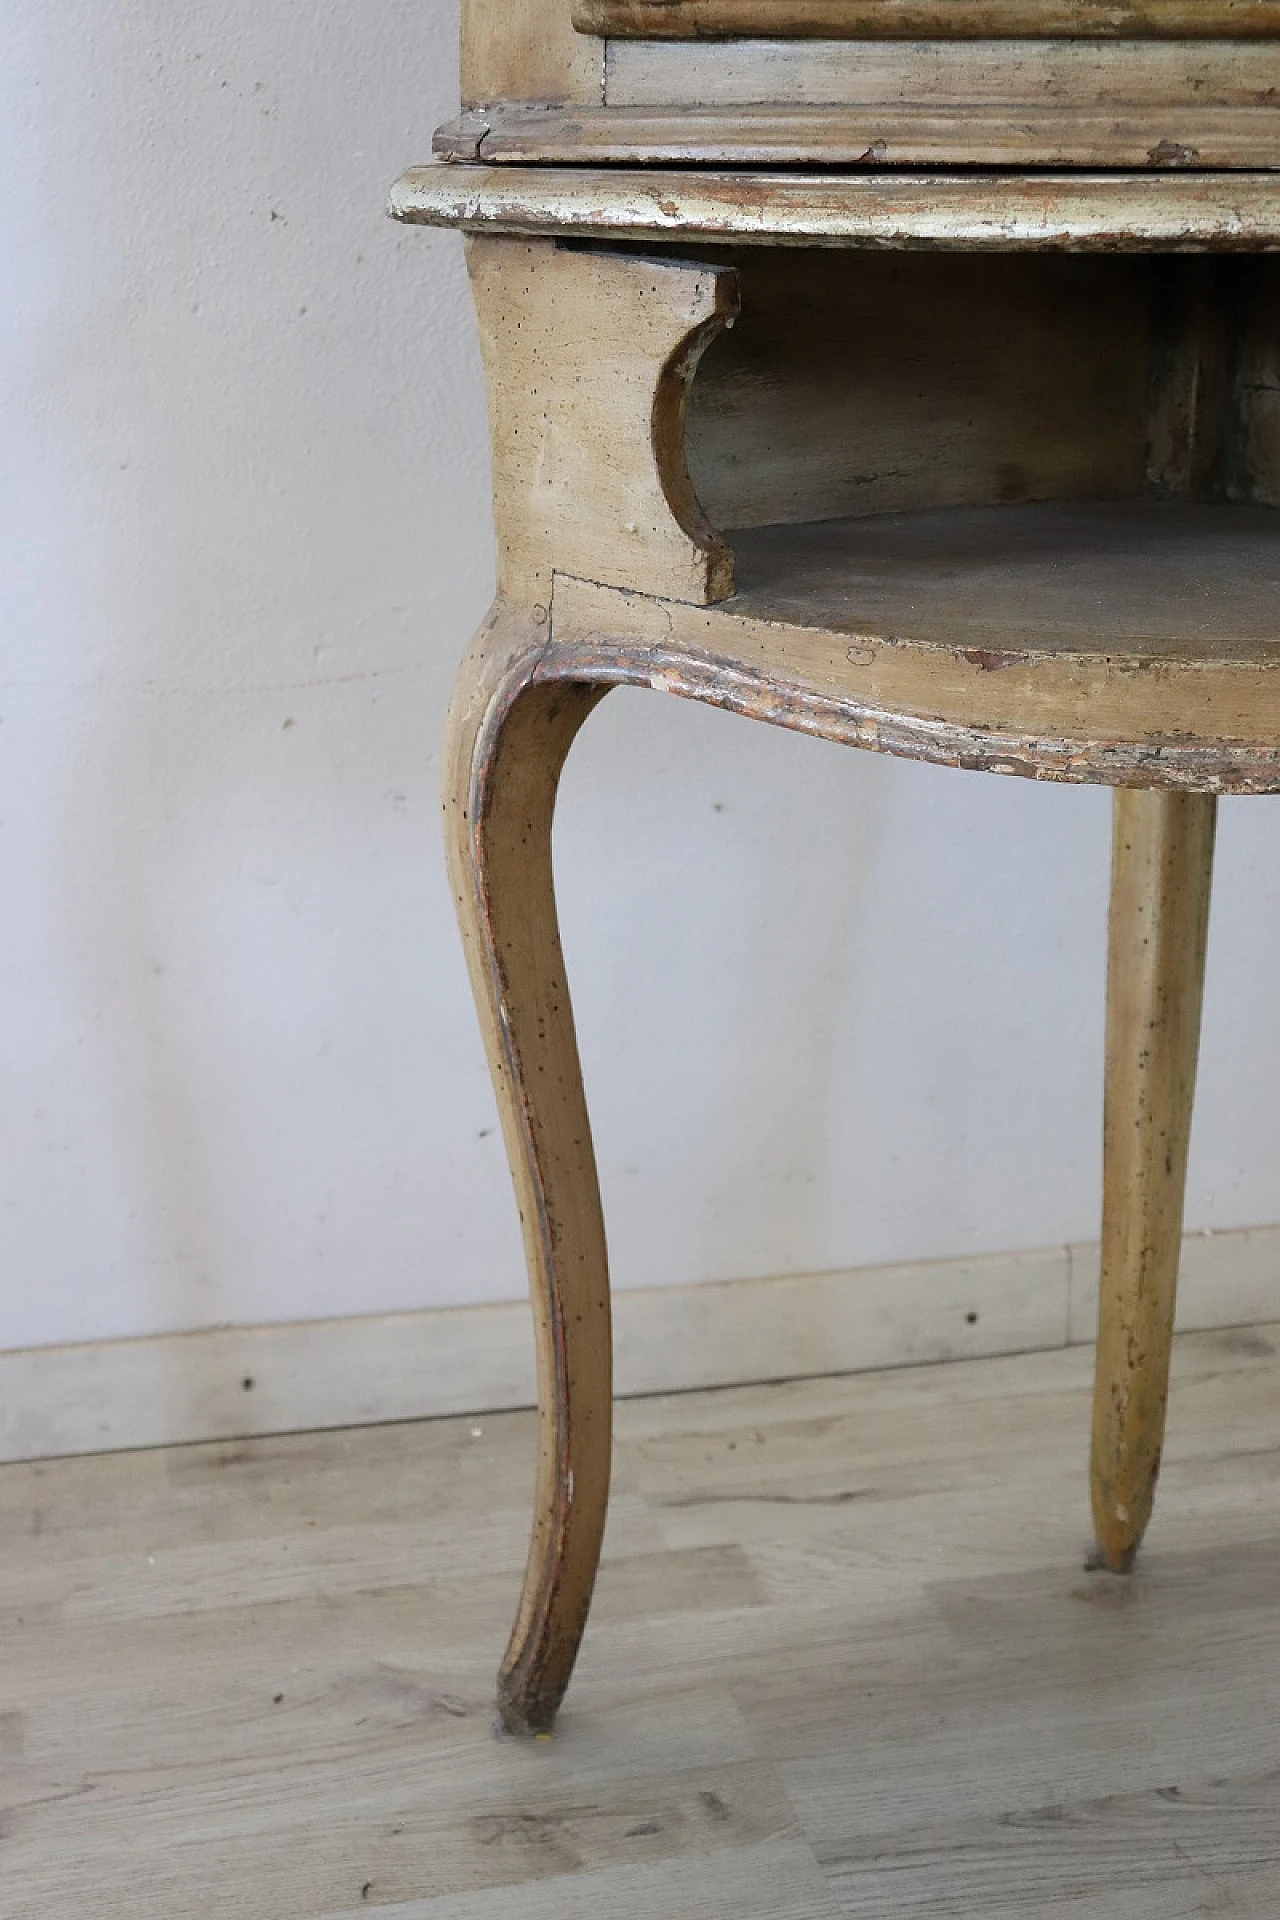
{"x": 1130, "y": 642}
{"x": 1011, "y": 504}
{"x": 1125, "y": 580}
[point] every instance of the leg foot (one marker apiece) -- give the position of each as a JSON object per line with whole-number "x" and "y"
{"x": 1162, "y": 863}
{"x": 1096, "y": 1561}
{"x": 509, "y": 735}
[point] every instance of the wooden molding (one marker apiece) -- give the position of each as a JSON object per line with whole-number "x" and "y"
{"x": 1054, "y": 712}
{"x": 1136, "y": 77}
{"x": 929, "y": 19}
{"x": 108, "y": 1395}
{"x": 1102, "y": 213}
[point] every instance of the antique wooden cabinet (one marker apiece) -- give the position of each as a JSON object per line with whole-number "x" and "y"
{"x": 898, "y": 83}
{"x": 905, "y": 372}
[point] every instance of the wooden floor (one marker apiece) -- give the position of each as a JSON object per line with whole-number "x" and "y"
{"x": 845, "y": 1661}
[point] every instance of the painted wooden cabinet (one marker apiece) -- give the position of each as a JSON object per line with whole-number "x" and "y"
{"x": 928, "y": 19}
{"x": 1156, "y": 84}
{"x": 907, "y": 373}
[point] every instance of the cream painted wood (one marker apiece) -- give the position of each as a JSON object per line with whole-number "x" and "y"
{"x": 1167, "y": 91}
{"x": 844, "y": 1662}
{"x": 1228, "y": 139}
{"x": 1163, "y": 213}
{"x": 1047, "y": 661}
{"x": 508, "y": 740}
{"x": 1123, "y": 640}
{"x": 1162, "y": 867}
{"x": 1012, "y": 515}
{"x": 1035, "y": 103}
{"x": 924, "y": 19}
{"x": 527, "y": 50}
{"x": 588, "y": 361}
{"x": 1136, "y": 77}
{"x": 1139, "y": 104}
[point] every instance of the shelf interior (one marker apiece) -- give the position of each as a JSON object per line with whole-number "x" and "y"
{"x": 1151, "y": 579}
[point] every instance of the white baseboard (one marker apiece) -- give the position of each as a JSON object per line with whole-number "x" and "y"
{"x": 228, "y": 1384}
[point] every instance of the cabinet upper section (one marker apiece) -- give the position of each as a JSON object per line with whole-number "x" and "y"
{"x": 871, "y": 83}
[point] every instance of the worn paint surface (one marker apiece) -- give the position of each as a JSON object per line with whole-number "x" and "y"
{"x": 590, "y": 358}
{"x": 1068, "y": 213}
{"x": 930, "y": 19}
{"x": 1162, "y": 867}
{"x": 1194, "y": 135}
{"x": 1221, "y": 767}
{"x": 508, "y": 736}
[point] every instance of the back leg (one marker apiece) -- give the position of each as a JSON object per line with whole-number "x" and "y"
{"x": 1162, "y": 865}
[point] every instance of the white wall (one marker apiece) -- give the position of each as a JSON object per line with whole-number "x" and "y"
{"x": 834, "y": 1010}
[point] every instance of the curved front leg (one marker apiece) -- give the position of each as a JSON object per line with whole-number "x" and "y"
{"x": 508, "y": 737}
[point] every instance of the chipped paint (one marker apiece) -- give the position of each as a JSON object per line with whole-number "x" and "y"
{"x": 1156, "y": 212}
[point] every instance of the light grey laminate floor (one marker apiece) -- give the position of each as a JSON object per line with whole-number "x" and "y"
{"x": 845, "y": 1660}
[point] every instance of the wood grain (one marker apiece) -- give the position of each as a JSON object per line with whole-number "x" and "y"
{"x": 843, "y": 1661}
{"x": 929, "y": 19}
{"x": 1162, "y": 866}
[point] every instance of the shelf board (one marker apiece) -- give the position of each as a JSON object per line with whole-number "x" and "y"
{"x": 1124, "y": 580}
{"x": 1131, "y": 642}
{"x": 994, "y": 212}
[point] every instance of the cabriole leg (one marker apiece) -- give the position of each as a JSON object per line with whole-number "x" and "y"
{"x": 507, "y": 743}
{"x": 1162, "y": 863}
